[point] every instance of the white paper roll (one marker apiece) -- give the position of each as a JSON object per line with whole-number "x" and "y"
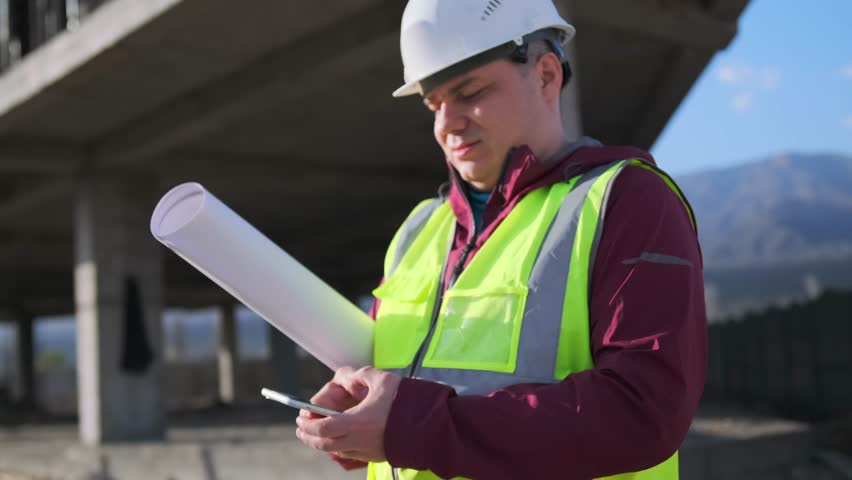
{"x": 222, "y": 245}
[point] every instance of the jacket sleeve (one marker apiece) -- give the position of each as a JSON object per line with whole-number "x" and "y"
{"x": 629, "y": 413}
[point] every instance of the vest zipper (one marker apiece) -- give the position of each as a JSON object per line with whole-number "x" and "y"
{"x": 436, "y": 308}
{"x": 439, "y": 297}
{"x": 460, "y": 265}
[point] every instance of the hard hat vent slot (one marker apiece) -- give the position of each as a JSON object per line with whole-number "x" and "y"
{"x": 492, "y": 7}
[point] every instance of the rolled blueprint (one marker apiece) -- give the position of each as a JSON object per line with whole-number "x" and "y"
{"x": 220, "y": 244}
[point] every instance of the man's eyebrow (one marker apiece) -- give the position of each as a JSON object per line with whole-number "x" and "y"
{"x": 454, "y": 90}
{"x": 461, "y": 85}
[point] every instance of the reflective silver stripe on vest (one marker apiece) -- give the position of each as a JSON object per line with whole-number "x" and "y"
{"x": 412, "y": 227}
{"x": 593, "y": 253}
{"x": 539, "y": 339}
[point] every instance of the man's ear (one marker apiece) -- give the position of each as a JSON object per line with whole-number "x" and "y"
{"x": 549, "y": 70}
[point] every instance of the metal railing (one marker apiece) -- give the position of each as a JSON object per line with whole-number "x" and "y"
{"x": 27, "y": 24}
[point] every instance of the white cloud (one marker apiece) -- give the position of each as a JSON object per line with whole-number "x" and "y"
{"x": 742, "y": 102}
{"x": 750, "y": 76}
{"x": 728, "y": 74}
{"x": 847, "y": 122}
{"x": 847, "y": 71}
{"x": 770, "y": 79}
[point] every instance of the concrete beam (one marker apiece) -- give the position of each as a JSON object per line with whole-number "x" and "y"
{"x": 35, "y": 197}
{"x": 49, "y": 281}
{"x": 45, "y": 305}
{"x": 672, "y": 87}
{"x": 381, "y": 188}
{"x": 371, "y": 34}
{"x": 185, "y": 164}
{"x": 39, "y": 157}
{"x": 41, "y": 254}
{"x": 728, "y": 9}
{"x": 681, "y": 24}
{"x": 314, "y": 63}
{"x": 68, "y": 52}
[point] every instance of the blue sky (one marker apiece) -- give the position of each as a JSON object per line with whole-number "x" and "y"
{"x": 783, "y": 85}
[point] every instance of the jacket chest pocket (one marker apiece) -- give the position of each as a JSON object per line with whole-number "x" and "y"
{"x": 403, "y": 318}
{"x": 478, "y": 329}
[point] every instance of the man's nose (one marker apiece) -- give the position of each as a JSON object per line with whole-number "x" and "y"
{"x": 450, "y": 119}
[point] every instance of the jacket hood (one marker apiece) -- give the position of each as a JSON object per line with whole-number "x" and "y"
{"x": 524, "y": 172}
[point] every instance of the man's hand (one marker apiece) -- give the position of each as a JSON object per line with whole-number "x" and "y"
{"x": 365, "y": 396}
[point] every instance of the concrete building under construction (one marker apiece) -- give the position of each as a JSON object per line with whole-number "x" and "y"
{"x": 282, "y": 108}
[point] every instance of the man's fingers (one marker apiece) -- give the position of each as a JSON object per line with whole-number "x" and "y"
{"x": 309, "y": 415}
{"x": 341, "y": 373}
{"x": 357, "y": 432}
{"x": 330, "y": 395}
{"x": 352, "y": 455}
{"x": 356, "y": 382}
{"x": 328, "y": 427}
{"x": 351, "y": 381}
{"x": 329, "y": 445}
{"x": 335, "y": 397}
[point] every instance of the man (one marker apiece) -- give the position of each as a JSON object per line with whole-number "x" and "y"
{"x": 564, "y": 334}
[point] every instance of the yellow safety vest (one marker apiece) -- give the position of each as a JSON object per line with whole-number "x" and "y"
{"x": 519, "y": 312}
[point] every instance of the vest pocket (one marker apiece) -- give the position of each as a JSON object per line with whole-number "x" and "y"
{"x": 402, "y": 321}
{"x": 478, "y": 329}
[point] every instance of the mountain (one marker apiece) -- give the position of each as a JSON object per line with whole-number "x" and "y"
{"x": 775, "y": 230}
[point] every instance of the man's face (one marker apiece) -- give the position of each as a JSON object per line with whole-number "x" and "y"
{"x": 481, "y": 115}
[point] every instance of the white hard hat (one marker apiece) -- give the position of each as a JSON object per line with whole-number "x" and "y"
{"x": 437, "y": 34}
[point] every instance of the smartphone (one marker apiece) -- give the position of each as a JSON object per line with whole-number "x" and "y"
{"x": 294, "y": 402}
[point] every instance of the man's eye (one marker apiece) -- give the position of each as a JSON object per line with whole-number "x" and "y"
{"x": 470, "y": 96}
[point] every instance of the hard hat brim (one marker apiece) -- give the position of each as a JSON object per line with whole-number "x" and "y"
{"x": 410, "y": 88}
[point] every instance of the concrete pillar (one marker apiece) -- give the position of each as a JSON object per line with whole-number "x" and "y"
{"x": 572, "y": 118}
{"x": 25, "y": 361}
{"x": 228, "y": 355}
{"x": 284, "y": 362}
{"x": 118, "y": 295}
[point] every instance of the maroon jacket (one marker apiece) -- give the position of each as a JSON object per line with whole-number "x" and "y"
{"x": 648, "y": 338}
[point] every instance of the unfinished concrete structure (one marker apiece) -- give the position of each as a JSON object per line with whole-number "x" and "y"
{"x": 283, "y": 110}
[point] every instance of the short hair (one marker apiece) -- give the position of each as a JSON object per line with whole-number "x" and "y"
{"x": 538, "y": 44}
